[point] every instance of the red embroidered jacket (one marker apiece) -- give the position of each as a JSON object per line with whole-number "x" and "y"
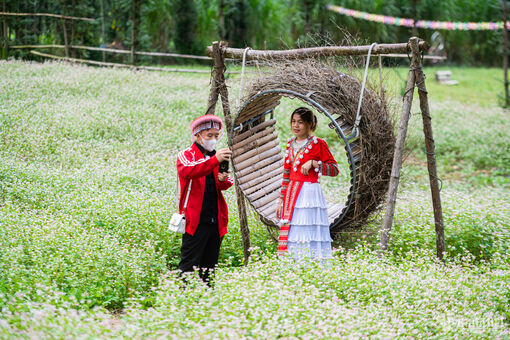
{"x": 315, "y": 149}
{"x": 192, "y": 165}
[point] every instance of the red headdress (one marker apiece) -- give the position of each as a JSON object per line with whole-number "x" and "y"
{"x": 204, "y": 123}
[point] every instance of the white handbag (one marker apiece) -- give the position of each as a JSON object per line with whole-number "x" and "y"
{"x": 178, "y": 221}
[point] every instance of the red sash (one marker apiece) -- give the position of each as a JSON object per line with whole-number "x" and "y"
{"x": 289, "y": 201}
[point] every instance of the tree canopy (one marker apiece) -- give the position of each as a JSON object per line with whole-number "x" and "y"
{"x": 189, "y": 26}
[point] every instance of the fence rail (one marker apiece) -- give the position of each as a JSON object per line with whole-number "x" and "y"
{"x": 47, "y": 15}
{"x": 102, "y": 63}
{"x": 114, "y": 50}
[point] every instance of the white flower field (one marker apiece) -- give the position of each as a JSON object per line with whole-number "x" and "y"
{"x": 87, "y": 185}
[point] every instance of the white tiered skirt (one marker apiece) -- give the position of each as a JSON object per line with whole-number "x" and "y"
{"x": 309, "y": 235}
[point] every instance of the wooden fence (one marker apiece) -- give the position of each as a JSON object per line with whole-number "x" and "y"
{"x": 132, "y": 52}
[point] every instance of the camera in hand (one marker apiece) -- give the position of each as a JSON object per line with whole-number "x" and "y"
{"x": 224, "y": 166}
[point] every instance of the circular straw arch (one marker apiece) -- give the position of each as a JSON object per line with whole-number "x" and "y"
{"x": 257, "y": 157}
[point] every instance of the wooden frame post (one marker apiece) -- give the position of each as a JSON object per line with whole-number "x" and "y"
{"x": 218, "y": 87}
{"x": 416, "y": 78}
{"x": 217, "y": 69}
{"x": 398, "y": 154}
{"x": 431, "y": 156}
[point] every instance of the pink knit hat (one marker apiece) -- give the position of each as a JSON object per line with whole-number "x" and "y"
{"x": 204, "y": 123}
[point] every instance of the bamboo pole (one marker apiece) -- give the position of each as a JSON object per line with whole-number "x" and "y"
{"x": 113, "y": 50}
{"x": 431, "y": 156}
{"x": 397, "y": 55}
{"x": 261, "y": 164}
{"x": 251, "y": 178}
{"x": 99, "y": 63}
{"x": 175, "y": 55}
{"x": 223, "y": 92}
{"x": 269, "y": 143}
{"x": 77, "y": 60}
{"x": 505, "y": 51}
{"x": 275, "y": 176}
{"x": 241, "y": 151}
{"x": 253, "y": 130}
{"x": 328, "y": 51}
{"x": 259, "y": 157}
{"x": 46, "y": 15}
{"x": 399, "y": 150}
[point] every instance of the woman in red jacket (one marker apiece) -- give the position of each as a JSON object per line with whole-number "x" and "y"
{"x": 302, "y": 210}
{"x": 206, "y": 211}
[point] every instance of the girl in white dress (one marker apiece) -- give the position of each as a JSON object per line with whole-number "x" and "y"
{"x": 302, "y": 210}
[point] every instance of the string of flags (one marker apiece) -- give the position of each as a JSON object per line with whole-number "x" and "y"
{"x": 407, "y": 22}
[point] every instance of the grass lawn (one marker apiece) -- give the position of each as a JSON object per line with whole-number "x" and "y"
{"x": 87, "y": 183}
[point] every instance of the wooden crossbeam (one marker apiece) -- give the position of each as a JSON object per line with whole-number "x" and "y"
{"x": 314, "y": 52}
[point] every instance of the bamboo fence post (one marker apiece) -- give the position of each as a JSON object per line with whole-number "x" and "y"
{"x": 5, "y": 54}
{"x": 102, "y": 29}
{"x": 399, "y": 150}
{"x": 505, "y": 52}
{"x": 223, "y": 92}
{"x": 431, "y": 156}
{"x": 213, "y": 95}
{"x": 133, "y": 24}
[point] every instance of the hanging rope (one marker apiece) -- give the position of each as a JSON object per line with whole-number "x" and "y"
{"x": 242, "y": 76}
{"x": 355, "y": 130}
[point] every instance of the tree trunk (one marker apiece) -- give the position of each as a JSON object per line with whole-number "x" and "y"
{"x": 66, "y": 43}
{"x": 73, "y": 51}
{"x": 505, "y": 51}
{"x": 102, "y": 29}
{"x": 133, "y": 29}
{"x": 307, "y": 17}
{"x": 5, "y": 51}
{"x": 34, "y": 23}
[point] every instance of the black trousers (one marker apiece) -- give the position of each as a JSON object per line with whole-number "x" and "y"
{"x": 200, "y": 251}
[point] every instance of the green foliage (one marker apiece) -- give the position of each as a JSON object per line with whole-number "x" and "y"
{"x": 189, "y": 26}
{"x": 185, "y": 26}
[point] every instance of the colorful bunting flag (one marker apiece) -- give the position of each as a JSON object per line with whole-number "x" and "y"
{"x": 437, "y": 25}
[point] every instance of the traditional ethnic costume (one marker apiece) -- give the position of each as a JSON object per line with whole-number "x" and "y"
{"x": 206, "y": 213}
{"x": 304, "y": 225}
